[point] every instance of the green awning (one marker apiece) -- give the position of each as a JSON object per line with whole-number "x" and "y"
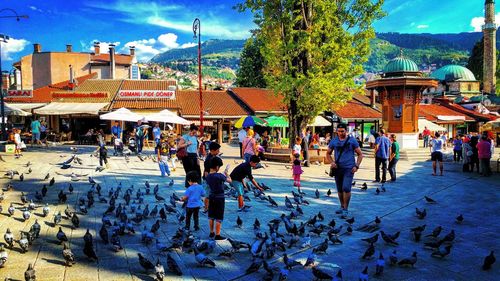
{"x": 277, "y": 121}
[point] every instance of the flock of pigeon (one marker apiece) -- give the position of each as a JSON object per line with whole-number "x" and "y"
{"x": 127, "y": 212}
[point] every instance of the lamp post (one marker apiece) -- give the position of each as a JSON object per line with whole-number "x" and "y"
{"x": 3, "y": 39}
{"x": 197, "y": 36}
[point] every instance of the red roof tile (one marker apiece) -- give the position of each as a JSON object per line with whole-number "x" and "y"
{"x": 104, "y": 59}
{"x": 474, "y": 114}
{"x": 146, "y": 104}
{"x": 355, "y": 109}
{"x": 216, "y": 103}
{"x": 431, "y": 111}
{"x": 260, "y": 100}
{"x": 44, "y": 94}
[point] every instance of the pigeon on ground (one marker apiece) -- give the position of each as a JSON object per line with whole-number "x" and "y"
{"x": 379, "y": 268}
{"x": 448, "y": 238}
{"x": 173, "y": 266}
{"x": 30, "y": 273}
{"x": 430, "y": 200}
{"x": 239, "y": 222}
{"x": 459, "y": 219}
{"x": 57, "y": 218}
{"x": 421, "y": 213}
{"x": 9, "y": 238}
{"x": 311, "y": 260}
{"x": 417, "y": 232}
{"x": 369, "y": 252}
{"x": 435, "y": 233}
{"x": 388, "y": 239}
{"x": 3, "y": 256}
{"x": 145, "y": 263}
{"x": 393, "y": 258}
{"x": 489, "y": 260}
{"x": 441, "y": 253}
{"x": 88, "y": 250}
{"x": 290, "y": 263}
{"x": 372, "y": 239}
{"x": 61, "y": 236}
{"x": 363, "y": 276}
{"x": 329, "y": 192}
{"x": 159, "y": 271}
{"x": 409, "y": 261}
{"x": 364, "y": 186}
{"x": 316, "y": 193}
{"x": 321, "y": 275}
{"x": 68, "y": 255}
{"x": 321, "y": 248}
{"x": 202, "y": 259}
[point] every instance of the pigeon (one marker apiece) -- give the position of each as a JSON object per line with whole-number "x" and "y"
{"x": 273, "y": 203}
{"x": 421, "y": 214}
{"x": 92, "y": 181}
{"x": 316, "y": 193}
{"x": 364, "y": 186}
{"x": 47, "y": 176}
{"x": 435, "y": 233}
{"x": 11, "y": 209}
{"x": 203, "y": 260}
{"x": 409, "y": 261}
{"x": 321, "y": 248}
{"x": 35, "y": 228}
{"x": 23, "y": 242}
{"x": 254, "y": 266}
{"x": 417, "y": 232}
{"x": 288, "y": 203}
{"x": 9, "y": 238}
{"x": 173, "y": 266}
{"x": 3, "y": 256}
{"x": 320, "y": 216}
{"x": 377, "y": 191}
{"x": 369, "y": 252}
{"x": 30, "y": 273}
{"x": 52, "y": 181}
{"x": 70, "y": 188}
{"x": 430, "y": 200}
{"x": 321, "y": 275}
{"x": 489, "y": 260}
{"x": 388, "y": 239}
{"x": 227, "y": 253}
{"x": 311, "y": 259}
{"x": 393, "y": 258}
{"x": 61, "y": 236}
{"x": 433, "y": 245}
{"x": 334, "y": 239}
{"x": 159, "y": 271}
{"x": 145, "y": 263}
{"x": 44, "y": 190}
{"x": 75, "y": 221}
{"x": 441, "y": 253}
{"x": 449, "y": 237}
{"x": 21, "y": 177}
{"x": 350, "y": 220}
{"x": 69, "y": 257}
{"x": 371, "y": 240}
{"x": 103, "y": 233}
{"x": 379, "y": 268}
{"x": 24, "y": 199}
{"x": 363, "y": 276}
{"x": 26, "y": 214}
{"x": 306, "y": 241}
{"x": 459, "y": 219}
{"x": 239, "y": 222}
{"x": 57, "y": 218}
{"x": 329, "y": 192}
{"x": 290, "y": 263}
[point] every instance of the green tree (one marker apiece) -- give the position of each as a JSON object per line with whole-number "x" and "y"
{"x": 313, "y": 50}
{"x": 251, "y": 65}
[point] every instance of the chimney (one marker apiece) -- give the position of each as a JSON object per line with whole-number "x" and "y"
{"x": 112, "y": 61}
{"x": 71, "y": 83}
{"x": 69, "y": 48}
{"x": 97, "y": 48}
{"x": 37, "y": 48}
{"x": 132, "y": 50}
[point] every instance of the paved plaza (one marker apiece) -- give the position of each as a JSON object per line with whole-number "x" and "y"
{"x": 456, "y": 193}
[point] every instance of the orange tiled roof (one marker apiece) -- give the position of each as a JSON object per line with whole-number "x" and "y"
{"x": 104, "y": 59}
{"x": 95, "y": 86}
{"x": 217, "y": 103}
{"x": 355, "y": 109}
{"x": 260, "y": 100}
{"x": 431, "y": 111}
{"x": 474, "y": 114}
{"x": 146, "y": 104}
{"x": 148, "y": 84}
{"x": 44, "y": 94}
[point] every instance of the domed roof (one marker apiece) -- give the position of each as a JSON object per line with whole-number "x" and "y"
{"x": 453, "y": 72}
{"x": 401, "y": 64}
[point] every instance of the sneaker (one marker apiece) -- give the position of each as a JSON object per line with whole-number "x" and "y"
{"x": 339, "y": 211}
{"x": 218, "y": 237}
{"x": 345, "y": 214}
{"x": 212, "y": 235}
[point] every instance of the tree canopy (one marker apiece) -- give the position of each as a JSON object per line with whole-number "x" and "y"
{"x": 251, "y": 65}
{"x": 313, "y": 50}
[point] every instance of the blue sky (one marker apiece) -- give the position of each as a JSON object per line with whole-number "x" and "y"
{"x": 156, "y": 26}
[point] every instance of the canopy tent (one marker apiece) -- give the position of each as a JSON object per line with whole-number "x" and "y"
{"x": 320, "y": 121}
{"x": 122, "y": 114}
{"x": 277, "y": 121}
{"x": 14, "y": 111}
{"x": 167, "y": 116}
{"x": 65, "y": 108}
{"x": 492, "y": 126}
{"x": 250, "y": 121}
{"x": 27, "y": 106}
{"x": 422, "y": 123}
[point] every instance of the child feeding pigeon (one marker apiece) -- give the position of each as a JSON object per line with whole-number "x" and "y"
{"x": 193, "y": 196}
{"x": 215, "y": 181}
{"x": 242, "y": 171}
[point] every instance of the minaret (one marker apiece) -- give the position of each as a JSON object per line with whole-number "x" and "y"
{"x": 490, "y": 59}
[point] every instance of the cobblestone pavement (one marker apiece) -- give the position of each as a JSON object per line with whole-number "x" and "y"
{"x": 456, "y": 193}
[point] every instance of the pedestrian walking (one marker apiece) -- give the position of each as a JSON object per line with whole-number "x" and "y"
{"x": 426, "y": 134}
{"x": 382, "y": 153}
{"x": 162, "y": 151}
{"x": 242, "y": 134}
{"x": 344, "y": 165}
{"x": 296, "y": 172}
{"x": 306, "y": 138}
{"x": 213, "y": 151}
{"x": 475, "y": 154}
{"x": 249, "y": 146}
{"x": 436, "y": 153}
{"x": 189, "y": 141}
{"x": 457, "y": 149}
{"x": 484, "y": 154}
{"x": 466, "y": 155}
{"x": 193, "y": 195}
{"x": 35, "y": 132}
{"x": 139, "y": 136}
{"x": 240, "y": 173}
{"x": 103, "y": 155}
{"x": 216, "y": 204}
{"x": 394, "y": 157}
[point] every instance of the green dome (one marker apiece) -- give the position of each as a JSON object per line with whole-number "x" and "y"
{"x": 453, "y": 72}
{"x": 401, "y": 64}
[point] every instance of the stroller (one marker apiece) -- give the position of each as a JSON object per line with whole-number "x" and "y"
{"x": 132, "y": 146}
{"x": 118, "y": 147}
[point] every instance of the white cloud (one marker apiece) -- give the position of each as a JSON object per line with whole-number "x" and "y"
{"x": 188, "y": 45}
{"x": 13, "y": 46}
{"x": 422, "y": 26}
{"x": 104, "y": 46}
{"x": 478, "y": 22}
{"x": 145, "y": 49}
{"x": 36, "y": 9}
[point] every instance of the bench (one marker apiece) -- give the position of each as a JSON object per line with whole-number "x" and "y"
{"x": 278, "y": 157}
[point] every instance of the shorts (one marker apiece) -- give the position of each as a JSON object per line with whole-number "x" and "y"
{"x": 216, "y": 209}
{"x": 343, "y": 179}
{"x": 35, "y": 136}
{"x": 207, "y": 189}
{"x": 238, "y": 185}
{"x": 437, "y": 156}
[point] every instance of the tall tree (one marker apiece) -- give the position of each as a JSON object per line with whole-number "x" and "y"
{"x": 313, "y": 50}
{"x": 251, "y": 65}
{"x": 475, "y": 63}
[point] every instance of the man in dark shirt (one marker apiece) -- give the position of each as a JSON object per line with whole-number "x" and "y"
{"x": 242, "y": 171}
{"x": 214, "y": 149}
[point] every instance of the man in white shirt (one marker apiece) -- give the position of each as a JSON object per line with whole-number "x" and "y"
{"x": 242, "y": 134}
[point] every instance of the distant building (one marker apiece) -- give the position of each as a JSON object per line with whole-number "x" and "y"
{"x": 454, "y": 81}
{"x": 40, "y": 69}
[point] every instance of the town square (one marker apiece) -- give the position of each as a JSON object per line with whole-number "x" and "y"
{"x": 251, "y": 140}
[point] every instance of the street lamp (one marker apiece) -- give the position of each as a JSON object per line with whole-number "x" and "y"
{"x": 197, "y": 35}
{"x": 3, "y": 39}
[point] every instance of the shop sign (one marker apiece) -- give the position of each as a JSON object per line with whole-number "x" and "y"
{"x": 146, "y": 94}
{"x": 19, "y": 94}
{"x": 82, "y": 95}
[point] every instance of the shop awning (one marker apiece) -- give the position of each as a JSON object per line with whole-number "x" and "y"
{"x": 450, "y": 117}
{"x": 27, "y": 106}
{"x": 422, "y": 123}
{"x": 14, "y": 111}
{"x": 320, "y": 121}
{"x": 65, "y": 108}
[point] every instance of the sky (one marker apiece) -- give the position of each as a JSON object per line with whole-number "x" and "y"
{"x": 157, "y": 26}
